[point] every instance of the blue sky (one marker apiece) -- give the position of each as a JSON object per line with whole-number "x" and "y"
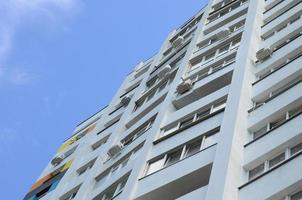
{"x": 61, "y": 61}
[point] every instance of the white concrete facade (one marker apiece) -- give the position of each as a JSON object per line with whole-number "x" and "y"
{"x": 214, "y": 115}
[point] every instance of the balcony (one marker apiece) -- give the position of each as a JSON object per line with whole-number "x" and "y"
{"x": 278, "y": 10}
{"x": 278, "y": 178}
{"x": 276, "y": 91}
{"x": 214, "y": 25}
{"x": 111, "y": 180}
{"x": 204, "y": 87}
{"x": 280, "y": 55}
{"x": 202, "y": 61}
{"x": 147, "y": 107}
{"x": 175, "y": 183}
{"x": 262, "y": 147}
{"x": 164, "y": 143}
{"x": 285, "y": 32}
{"x": 233, "y": 36}
{"x": 282, "y": 102}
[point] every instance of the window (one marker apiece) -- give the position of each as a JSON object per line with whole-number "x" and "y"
{"x": 184, "y": 151}
{"x": 273, "y": 162}
{"x": 138, "y": 132}
{"x": 113, "y": 191}
{"x": 87, "y": 166}
{"x": 296, "y": 149}
{"x": 120, "y": 187}
{"x": 223, "y": 49}
{"x": 219, "y": 105}
{"x": 71, "y": 194}
{"x": 109, "y": 194}
{"x": 124, "y": 163}
{"x": 297, "y": 196}
{"x": 114, "y": 169}
{"x": 210, "y": 140}
{"x": 237, "y": 26}
{"x": 277, "y": 122}
{"x": 260, "y": 132}
{"x": 173, "y": 157}
{"x": 196, "y": 117}
{"x": 163, "y": 85}
{"x": 186, "y": 122}
{"x": 236, "y": 42}
{"x": 100, "y": 143}
{"x": 102, "y": 178}
{"x": 151, "y": 95}
{"x": 193, "y": 148}
{"x": 256, "y": 171}
{"x": 138, "y": 104}
{"x": 203, "y": 113}
{"x": 171, "y": 129}
{"x": 295, "y": 111}
{"x": 276, "y": 161}
{"x": 209, "y": 56}
{"x": 156, "y": 165}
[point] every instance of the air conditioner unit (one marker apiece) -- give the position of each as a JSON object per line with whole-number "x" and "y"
{"x": 178, "y": 41}
{"x": 125, "y": 100}
{"x": 164, "y": 71}
{"x": 223, "y": 33}
{"x": 57, "y": 160}
{"x": 114, "y": 150}
{"x": 263, "y": 53}
{"x": 184, "y": 87}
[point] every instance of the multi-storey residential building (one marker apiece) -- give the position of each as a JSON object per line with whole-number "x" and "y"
{"x": 214, "y": 115}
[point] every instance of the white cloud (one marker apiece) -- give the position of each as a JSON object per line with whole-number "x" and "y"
{"x": 41, "y": 13}
{"x": 19, "y": 77}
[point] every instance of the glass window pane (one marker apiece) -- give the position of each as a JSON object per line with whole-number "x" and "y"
{"x": 193, "y": 148}
{"x": 297, "y": 196}
{"x": 209, "y": 56}
{"x": 273, "y": 162}
{"x": 236, "y": 42}
{"x": 170, "y": 130}
{"x": 173, "y": 157}
{"x": 162, "y": 86}
{"x": 109, "y": 194}
{"x": 260, "y": 132}
{"x": 151, "y": 95}
{"x": 121, "y": 187}
{"x": 256, "y": 171}
{"x": 296, "y": 149}
{"x": 114, "y": 169}
{"x": 101, "y": 180}
{"x": 125, "y": 162}
{"x": 203, "y": 113}
{"x": 277, "y": 122}
{"x": 295, "y": 111}
{"x": 219, "y": 105}
{"x": 186, "y": 122}
{"x": 224, "y": 49}
{"x": 155, "y": 165}
{"x": 210, "y": 140}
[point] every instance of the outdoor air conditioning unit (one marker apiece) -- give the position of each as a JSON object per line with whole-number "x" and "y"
{"x": 114, "y": 150}
{"x": 223, "y": 33}
{"x": 164, "y": 71}
{"x": 184, "y": 87}
{"x": 125, "y": 100}
{"x": 263, "y": 53}
{"x": 178, "y": 41}
{"x": 57, "y": 160}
